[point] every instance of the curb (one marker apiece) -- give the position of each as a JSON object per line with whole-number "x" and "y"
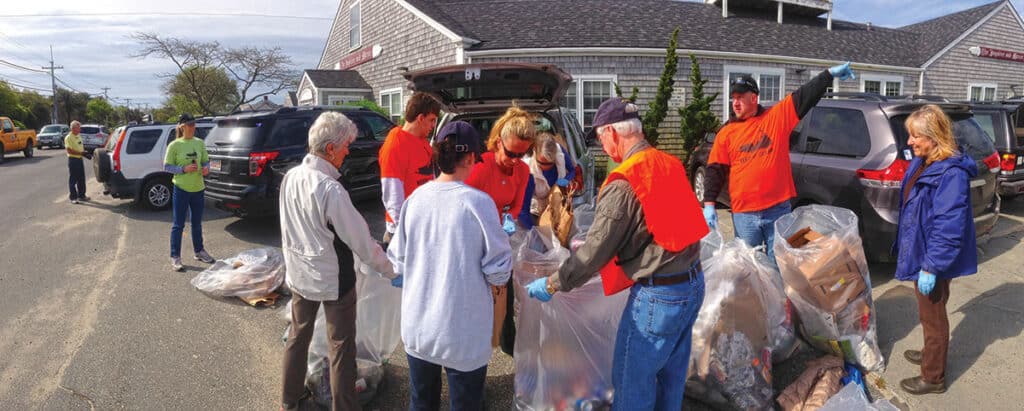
{"x": 882, "y": 385}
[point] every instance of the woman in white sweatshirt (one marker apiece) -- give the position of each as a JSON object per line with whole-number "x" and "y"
{"x": 450, "y": 249}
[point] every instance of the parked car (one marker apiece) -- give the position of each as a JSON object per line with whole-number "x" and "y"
{"x": 13, "y": 139}
{"x": 52, "y": 135}
{"x": 480, "y": 93}
{"x": 851, "y": 151}
{"x": 93, "y": 136}
{"x": 131, "y": 165}
{"x": 1004, "y": 122}
{"x": 251, "y": 152}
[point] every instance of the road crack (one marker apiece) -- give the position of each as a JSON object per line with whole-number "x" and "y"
{"x": 92, "y": 404}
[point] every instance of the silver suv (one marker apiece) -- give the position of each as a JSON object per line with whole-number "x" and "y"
{"x": 52, "y": 135}
{"x": 93, "y": 136}
{"x": 851, "y": 151}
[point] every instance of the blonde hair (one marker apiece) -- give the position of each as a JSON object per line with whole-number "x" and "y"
{"x": 515, "y": 122}
{"x": 931, "y": 122}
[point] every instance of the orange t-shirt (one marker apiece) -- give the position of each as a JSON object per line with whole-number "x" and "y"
{"x": 757, "y": 153}
{"x": 506, "y": 190}
{"x": 407, "y": 158}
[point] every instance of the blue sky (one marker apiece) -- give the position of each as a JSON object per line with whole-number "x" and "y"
{"x": 89, "y": 37}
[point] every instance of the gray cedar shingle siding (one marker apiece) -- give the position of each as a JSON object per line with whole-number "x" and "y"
{"x": 951, "y": 73}
{"x": 407, "y": 41}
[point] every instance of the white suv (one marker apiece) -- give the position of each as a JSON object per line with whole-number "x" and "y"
{"x": 131, "y": 165}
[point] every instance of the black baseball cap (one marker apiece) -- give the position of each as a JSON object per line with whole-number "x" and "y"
{"x": 743, "y": 84}
{"x": 612, "y": 111}
{"x": 465, "y": 136}
{"x": 186, "y": 118}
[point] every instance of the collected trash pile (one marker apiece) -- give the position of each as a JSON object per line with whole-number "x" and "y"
{"x": 564, "y": 348}
{"x": 378, "y": 319}
{"x": 253, "y": 276}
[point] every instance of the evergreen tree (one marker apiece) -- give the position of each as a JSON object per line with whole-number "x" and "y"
{"x": 658, "y": 108}
{"x": 696, "y": 118}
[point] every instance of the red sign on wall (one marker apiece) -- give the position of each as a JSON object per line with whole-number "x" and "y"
{"x": 359, "y": 57}
{"x": 998, "y": 54}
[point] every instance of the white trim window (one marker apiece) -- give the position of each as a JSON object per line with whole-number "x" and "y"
{"x": 889, "y": 86}
{"x": 771, "y": 82}
{"x": 981, "y": 91}
{"x": 586, "y": 93}
{"x": 355, "y": 25}
{"x": 391, "y": 100}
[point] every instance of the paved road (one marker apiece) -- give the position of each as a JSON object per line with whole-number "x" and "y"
{"x": 91, "y": 317}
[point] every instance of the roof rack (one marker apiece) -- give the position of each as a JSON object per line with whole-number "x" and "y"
{"x": 924, "y": 97}
{"x": 853, "y": 95}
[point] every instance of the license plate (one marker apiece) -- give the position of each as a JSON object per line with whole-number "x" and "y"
{"x": 214, "y": 165}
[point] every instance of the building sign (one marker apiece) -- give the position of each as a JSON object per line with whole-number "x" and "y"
{"x": 998, "y": 54}
{"x": 359, "y": 57}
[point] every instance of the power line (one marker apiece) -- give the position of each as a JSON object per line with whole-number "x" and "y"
{"x": 20, "y": 67}
{"x": 22, "y": 86}
{"x": 8, "y": 78}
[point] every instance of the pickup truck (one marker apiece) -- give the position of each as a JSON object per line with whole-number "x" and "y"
{"x": 12, "y": 139}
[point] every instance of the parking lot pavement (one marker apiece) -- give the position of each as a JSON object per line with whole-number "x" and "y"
{"x": 91, "y": 317}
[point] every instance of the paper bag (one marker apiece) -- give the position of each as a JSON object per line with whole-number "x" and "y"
{"x": 558, "y": 215}
{"x": 833, "y": 279}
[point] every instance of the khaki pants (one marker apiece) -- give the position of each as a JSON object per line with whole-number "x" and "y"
{"x": 935, "y": 321}
{"x": 341, "y": 335}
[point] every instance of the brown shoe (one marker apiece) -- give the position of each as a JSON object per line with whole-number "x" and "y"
{"x": 913, "y": 356}
{"x": 918, "y": 386}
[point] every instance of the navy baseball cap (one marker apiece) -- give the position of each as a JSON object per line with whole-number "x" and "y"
{"x": 612, "y": 111}
{"x": 186, "y": 118}
{"x": 743, "y": 84}
{"x": 465, "y": 136}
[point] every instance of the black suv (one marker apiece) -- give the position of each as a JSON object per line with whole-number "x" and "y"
{"x": 251, "y": 152}
{"x": 1004, "y": 122}
{"x": 851, "y": 151}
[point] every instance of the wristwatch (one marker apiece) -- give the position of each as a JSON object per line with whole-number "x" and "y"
{"x": 550, "y": 287}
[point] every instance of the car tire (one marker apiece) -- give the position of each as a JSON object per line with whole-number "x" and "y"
{"x": 101, "y": 165}
{"x": 2, "y": 153}
{"x": 29, "y": 150}
{"x": 699, "y": 176}
{"x": 156, "y": 194}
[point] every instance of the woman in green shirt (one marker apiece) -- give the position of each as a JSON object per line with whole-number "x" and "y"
{"x": 187, "y": 159}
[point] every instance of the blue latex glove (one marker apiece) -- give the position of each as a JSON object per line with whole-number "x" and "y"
{"x": 925, "y": 282}
{"x": 562, "y": 182}
{"x": 842, "y": 72}
{"x": 508, "y": 225}
{"x": 538, "y": 289}
{"x": 711, "y": 216}
{"x": 396, "y": 282}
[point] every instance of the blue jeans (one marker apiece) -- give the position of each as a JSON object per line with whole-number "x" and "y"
{"x": 465, "y": 388}
{"x": 184, "y": 202}
{"x": 652, "y": 348}
{"x": 758, "y": 227}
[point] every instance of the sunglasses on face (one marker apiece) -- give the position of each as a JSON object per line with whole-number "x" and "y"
{"x": 512, "y": 154}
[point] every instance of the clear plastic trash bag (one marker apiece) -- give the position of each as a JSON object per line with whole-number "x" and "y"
{"x": 564, "y": 347}
{"x": 250, "y": 274}
{"x": 827, "y": 279}
{"x": 852, "y": 398}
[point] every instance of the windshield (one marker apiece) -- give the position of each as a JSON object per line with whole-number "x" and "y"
{"x": 50, "y": 129}
{"x": 968, "y": 133}
{"x": 239, "y": 132}
{"x": 90, "y": 130}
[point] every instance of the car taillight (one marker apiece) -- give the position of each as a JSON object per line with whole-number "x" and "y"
{"x": 992, "y": 162}
{"x": 889, "y": 177}
{"x": 117, "y": 151}
{"x": 258, "y": 161}
{"x": 1009, "y": 162}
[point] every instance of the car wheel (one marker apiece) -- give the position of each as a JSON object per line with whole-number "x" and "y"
{"x": 698, "y": 182}
{"x": 29, "y": 150}
{"x": 2, "y": 151}
{"x": 156, "y": 194}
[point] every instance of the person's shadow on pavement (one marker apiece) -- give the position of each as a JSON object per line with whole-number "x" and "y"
{"x": 990, "y": 317}
{"x": 895, "y": 317}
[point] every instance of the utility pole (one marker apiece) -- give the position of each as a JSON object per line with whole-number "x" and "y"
{"x": 53, "y": 84}
{"x": 128, "y": 110}
{"x": 105, "y": 89}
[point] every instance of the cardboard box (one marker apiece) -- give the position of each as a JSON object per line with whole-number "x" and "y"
{"x": 833, "y": 279}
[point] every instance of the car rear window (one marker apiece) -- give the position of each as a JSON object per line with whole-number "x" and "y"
{"x": 289, "y": 132}
{"x": 838, "y": 132}
{"x": 142, "y": 141}
{"x": 239, "y": 132}
{"x": 90, "y": 130}
{"x": 50, "y": 129}
{"x": 994, "y": 124}
{"x": 968, "y": 133}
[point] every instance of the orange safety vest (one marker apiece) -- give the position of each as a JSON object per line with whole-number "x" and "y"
{"x": 672, "y": 211}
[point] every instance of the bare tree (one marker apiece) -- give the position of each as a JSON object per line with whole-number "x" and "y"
{"x": 250, "y": 67}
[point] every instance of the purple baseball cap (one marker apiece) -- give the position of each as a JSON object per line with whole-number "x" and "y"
{"x": 612, "y": 111}
{"x": 465, "y": 136}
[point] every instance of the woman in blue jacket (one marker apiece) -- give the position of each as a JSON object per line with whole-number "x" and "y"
{"x": 935, "y": 239}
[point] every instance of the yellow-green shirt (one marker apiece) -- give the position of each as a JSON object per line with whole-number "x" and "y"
{"x": 74, "y": 142}
{"x": 182, "y": 152}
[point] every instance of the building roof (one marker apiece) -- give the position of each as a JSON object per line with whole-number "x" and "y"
{"x": 516, "y": 24}
{"x": 337, "y": 79}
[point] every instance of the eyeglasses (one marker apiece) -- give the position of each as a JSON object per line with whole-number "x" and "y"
{"x": 545, "y": 163}
{"x": 512, "y": 154}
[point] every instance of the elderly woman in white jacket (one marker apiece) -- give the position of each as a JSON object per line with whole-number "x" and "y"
{"x": 321, "y": 235}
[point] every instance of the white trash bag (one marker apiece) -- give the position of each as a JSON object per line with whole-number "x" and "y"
{"x": 564, "y": 347}
{"x": 827, "y": 279}
{"x": 250, "y": 274}
{"x": 852, "y": 398}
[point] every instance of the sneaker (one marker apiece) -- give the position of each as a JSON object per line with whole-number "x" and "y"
{"x": 176, "y": 264}
{"x": 205, "y": 257}
{"x": 84, "y": 198}
{"x": 75, "y": 201}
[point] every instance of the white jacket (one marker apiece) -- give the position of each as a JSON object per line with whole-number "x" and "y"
{"x": 541, "y": 188}
{"x": 310, "y": 198}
